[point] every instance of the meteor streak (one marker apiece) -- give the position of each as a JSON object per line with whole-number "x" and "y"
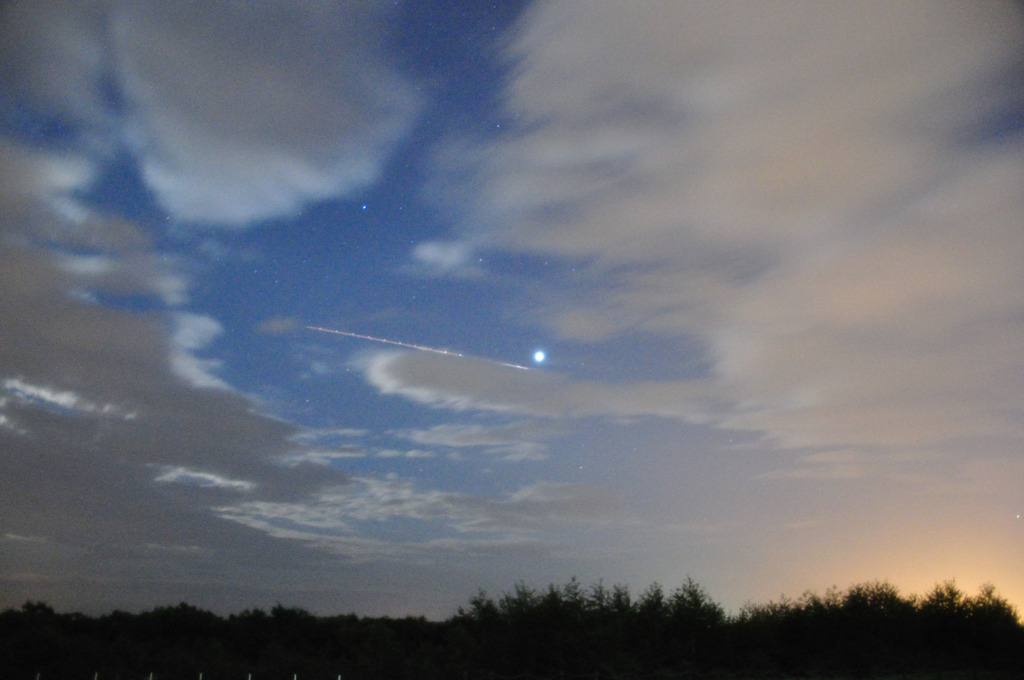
{"x": 409, "y": 345}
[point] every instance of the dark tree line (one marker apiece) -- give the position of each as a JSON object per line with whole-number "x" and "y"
{"x": 868, "y": 630}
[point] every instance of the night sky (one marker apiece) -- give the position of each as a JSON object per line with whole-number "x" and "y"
{"x": 772, "y": 253}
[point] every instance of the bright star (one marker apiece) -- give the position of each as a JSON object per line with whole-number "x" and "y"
{"x": 539, "y": 356}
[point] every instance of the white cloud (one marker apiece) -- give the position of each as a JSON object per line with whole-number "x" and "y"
{"x": 467, "y": 384}
{"x": 554, "y": 502}
{"x": 65, "y": 399}
{"x": 343, "y": 519}
{"x": 25, "y": 539}
{"x": 406, "y": 453}
{"x": 172, "y": 288}
{"x": 787, "y": 186}
{"x": 8, "y": 424}
{"x": 93, "y": 253}
{"x": 521, "y": 451}
{"x": 122, "y": 269}
{"x": 85, "y": 265}
{"x": 318, "y": 435}
{"x": 43, "y": 176}
{"x": 461, "y": 435}
{"x": 249, "y": 118}
{"x": 60, "y": 400}
{"x": 509, "y": 442}
{"x": 193, "y": 332}
{"x": 446, "y": 258}
{"x": 235, "y": 113}
{"x": 323, "y": 456}
{"x": 184, "y": 475}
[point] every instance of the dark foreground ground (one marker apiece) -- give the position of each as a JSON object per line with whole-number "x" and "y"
{"x": 563, "y": 633}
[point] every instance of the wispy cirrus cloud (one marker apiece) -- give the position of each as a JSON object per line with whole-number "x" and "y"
{"x": 337, "y": 518}
{"x": 512, "y": 442}
{"x": 25, "y": 394}
{"x": 184, "y": 475}
{"x": 323, "y": 457}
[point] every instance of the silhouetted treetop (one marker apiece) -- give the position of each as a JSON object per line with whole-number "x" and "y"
{"x": 868, "y": 629}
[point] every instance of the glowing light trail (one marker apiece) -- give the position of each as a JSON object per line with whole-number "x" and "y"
{"x": 409, "y": 345}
